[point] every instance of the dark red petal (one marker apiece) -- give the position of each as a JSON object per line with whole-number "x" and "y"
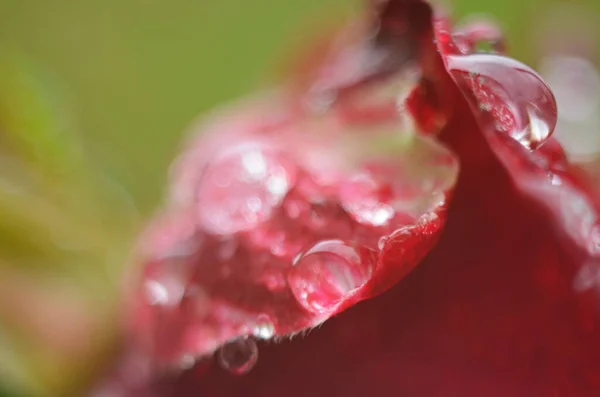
{"x": 490, "y": 312}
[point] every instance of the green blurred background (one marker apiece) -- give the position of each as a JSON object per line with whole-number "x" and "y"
{"x": 136, "y": 72}
{"x": 129, "y": 76}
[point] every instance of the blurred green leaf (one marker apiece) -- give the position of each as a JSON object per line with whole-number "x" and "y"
{"x": 65, "y": 231}
{"x": 33, "y": 124}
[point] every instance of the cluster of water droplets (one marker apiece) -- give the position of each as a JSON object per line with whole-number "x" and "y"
{"x": 241, "y": 187}
{"x": 281, "y": 230}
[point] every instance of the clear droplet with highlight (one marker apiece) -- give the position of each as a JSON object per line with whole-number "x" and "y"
{"x": 367, "y": 200}
{"x": 238, "y": 356}
{"x": 264, "y": 327}
{"x": 479, "y": 35}
{"x": 513, "y": 95}
{"x": 329, "y": 273}
{"x": 401, "y": 176}
{"x": 241, "y": 187}
{"x": 165, "y": 282}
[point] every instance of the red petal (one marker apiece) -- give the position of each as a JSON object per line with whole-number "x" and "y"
{"x": 495, "y": 309}
{"x": 278, "y": 221}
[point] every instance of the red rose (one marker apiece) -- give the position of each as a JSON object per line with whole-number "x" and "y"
{"x": 282, "y": 216}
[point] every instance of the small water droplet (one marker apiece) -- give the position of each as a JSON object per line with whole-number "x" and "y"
{"x": 241, "y": 187}
{"x": 329, "y": 272}
{"x": 521, "y": 103}
{"x": 264, "y": 328}
{"x": 165, "y": 283}
{"x": 238, "y": 356}
{"x": 187, "y": 362}
{"x": 587, "y": 277}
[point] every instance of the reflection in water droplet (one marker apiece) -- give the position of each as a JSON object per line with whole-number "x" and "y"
{"x": 165, "y": 283}
{"x": 514, "y": 95}
{"x": 479, "y": 35}
{"x": 329, "y": 272}
{"x": 399, "y": 180}
{"x": 587, "y": 277}
{"x": 187, "y": 362}
{"x": 241, "y": 187}
{"x": 264, "y": 328}
{"x": 365, "y": 200}
{"x": 238, "y": 356}
{"x": 156, "y": 293}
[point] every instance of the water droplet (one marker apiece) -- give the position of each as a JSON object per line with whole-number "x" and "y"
{"x": 521, "y": 103}
{"x": 165, "y": 283}
{"x": 241, "y": 187}
{"x": 328, "y": 273}
{"x": 365, "y": 200}
{"x": 187, "y": 362}
{"x": 238, "y": 356}
{"x": 593, "y": 246}
{"x": 587, "y": 277}
{"x": 479, "y": 35}
{"x": 264, "y": 328}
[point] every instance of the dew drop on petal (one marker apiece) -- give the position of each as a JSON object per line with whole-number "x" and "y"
{"x": 587, "y": 277}
{"x": 264, "y": 328}
{"x": 328, "y": 273}
{"x": 165, "y": 283}
{"x": 187, "y": 361}
{"x": 519, "y": 101}
{"x": 238, "y": 356}
{"x": 479, "y": 35}
{"x": 241, "y": 187}
{"x": 396, "y": 177}
{"x": 364, "y": 199}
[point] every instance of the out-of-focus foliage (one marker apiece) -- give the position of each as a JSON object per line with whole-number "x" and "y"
{"x": 64, "y": 232}
{"x": 93, "y": 98}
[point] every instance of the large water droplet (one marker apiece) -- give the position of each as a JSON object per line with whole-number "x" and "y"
{"x": 328, "y": 273}
{"x": 367, "y": 201}
{"x": 399, "y": 178}
{"x": 242, "y": 187}
{"x": 238, "y": 356}
{"x": 479, "y": 35}
{"x": 519, "y": 101}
